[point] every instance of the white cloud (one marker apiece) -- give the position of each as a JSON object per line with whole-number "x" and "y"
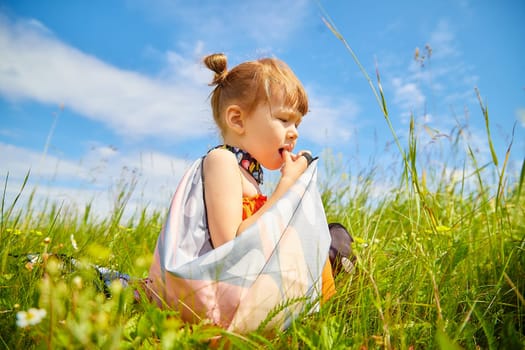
{"x": 97, "y": 178}
{"x": 330, "y": 121}
{"x": 273, "y": 16}
{"x": 180, "y": 68}
{"x": 407, "y": 95}
{"x": 18, "y": 161}
{"x": 37, "y": 66}
{"x": 435, "y": 81}
{"x": 265, "y": 22}
{"x": 443, "y": 41}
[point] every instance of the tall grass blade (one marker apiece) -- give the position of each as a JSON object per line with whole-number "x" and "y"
{"x": 330, "y": 24}
{"x": 488, "y": 328}
{"x": 485, "y": 111}
{"x": 12, "y": 206}
{"x": 522, "y": 177}
{"x": 2, "y": 205}
{"x": 514, "y": 288}
{"x": 380, "y": 87}
{"x": 477, "y": 170}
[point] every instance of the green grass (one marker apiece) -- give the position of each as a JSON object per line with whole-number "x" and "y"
{"x": 440, "y": 263}
{"x": 441, "y": 268}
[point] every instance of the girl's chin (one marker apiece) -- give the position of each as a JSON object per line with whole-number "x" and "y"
{"x": 275, "y": 165}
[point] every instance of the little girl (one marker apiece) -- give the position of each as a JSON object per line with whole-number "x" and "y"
{"x": 228, "y": 253}
{"x": 258, "y": 107}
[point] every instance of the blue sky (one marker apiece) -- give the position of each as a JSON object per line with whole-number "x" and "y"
{"x": 95, "y": 92}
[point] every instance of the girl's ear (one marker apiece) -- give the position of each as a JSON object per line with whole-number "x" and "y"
{"x": 235, "y": 119}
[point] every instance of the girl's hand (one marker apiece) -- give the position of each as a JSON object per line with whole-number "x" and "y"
{"x": 294, "y": 166}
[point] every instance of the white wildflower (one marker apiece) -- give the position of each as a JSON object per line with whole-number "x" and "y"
{"x": 73, "y": 241}
{"x": 77, "y": 282}
{"x": 30, "y": 317}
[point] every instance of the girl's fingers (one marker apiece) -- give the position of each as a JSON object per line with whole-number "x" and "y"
{"x": 307, "y": 155}
{"x": 304, "y": 151}
{"x": 295, "y": 164}
{"x": 287, "y": 156}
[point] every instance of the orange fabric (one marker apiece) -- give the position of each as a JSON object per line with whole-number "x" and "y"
{"x": 250, "y": 205}
{"x": 328, "y": 283}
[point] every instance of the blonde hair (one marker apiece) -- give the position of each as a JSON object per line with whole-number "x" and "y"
{"x": 251, "y": 83}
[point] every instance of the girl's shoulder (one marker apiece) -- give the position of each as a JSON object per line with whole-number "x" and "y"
{"x": 221, "y": 168}
{"x": 220, "y": 161}
{"x": 220, "y": 155}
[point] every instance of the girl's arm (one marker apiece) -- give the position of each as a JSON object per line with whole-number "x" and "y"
{"x": 223, "y": 193}
{"x": 294, "y": 166}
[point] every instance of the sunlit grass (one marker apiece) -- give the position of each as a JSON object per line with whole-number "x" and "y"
{"x": 439, "y": 266}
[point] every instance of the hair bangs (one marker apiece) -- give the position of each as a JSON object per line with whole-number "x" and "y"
{"x": 279, "y": 80}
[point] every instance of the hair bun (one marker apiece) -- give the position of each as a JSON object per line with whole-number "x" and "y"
{"x": 217, "y": 62}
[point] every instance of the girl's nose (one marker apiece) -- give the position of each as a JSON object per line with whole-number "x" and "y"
{"x": 292, "y": 133}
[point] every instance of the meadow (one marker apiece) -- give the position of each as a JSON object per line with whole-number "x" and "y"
{"x": 440, "y": 263}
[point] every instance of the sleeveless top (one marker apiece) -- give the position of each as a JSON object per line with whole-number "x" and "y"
{"x": 250, "y": 205}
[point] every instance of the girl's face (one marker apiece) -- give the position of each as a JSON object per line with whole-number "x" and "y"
{"x": 270, "y": 129}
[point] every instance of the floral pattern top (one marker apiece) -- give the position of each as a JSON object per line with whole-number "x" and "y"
{"x": 250, "y": 205}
